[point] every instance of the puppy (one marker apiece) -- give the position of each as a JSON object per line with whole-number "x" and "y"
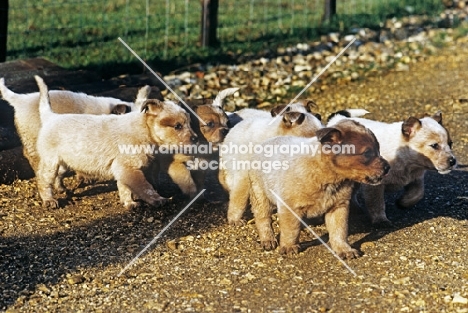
{"x": 211, "y": 133}
{"x": 411, "y": 147}
{"x": 27, "y": 119}
{"x": 302, "y": 105}
{"x": 93, "y": 145}
{"x": 250, "y": 132}
{"x": 314, "y": 184}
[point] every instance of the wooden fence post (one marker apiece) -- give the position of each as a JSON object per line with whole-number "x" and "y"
{"x": 329, "y": 10}
{"x": 209, "y": 23}
{"x": 3, "y": 29}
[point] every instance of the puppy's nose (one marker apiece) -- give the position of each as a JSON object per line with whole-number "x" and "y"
{"x": 194, "y": 139}
{"x": 225, "y": 131}
{"x": 386, "y": 168}
{"x": 452, "y": 161}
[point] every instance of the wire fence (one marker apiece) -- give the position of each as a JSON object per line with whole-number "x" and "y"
{"x": 81, "y": 33}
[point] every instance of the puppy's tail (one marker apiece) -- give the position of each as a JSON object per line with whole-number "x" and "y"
{"x": 348, "y": 113}
{"x": 7, "y": 94}
{"x": 141, "y": 97}
{"x": 218, "y": 101}
{"x": 45, "y": 110}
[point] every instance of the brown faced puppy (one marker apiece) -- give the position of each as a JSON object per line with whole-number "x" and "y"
{"x": 27, "y": 119}
{"x": 238, "y": 149}
{"x": 211, "y": 133}
{"x": 314, "y": 184}
{"x": 108, "y": 146}
{"x": 411, "y": 147}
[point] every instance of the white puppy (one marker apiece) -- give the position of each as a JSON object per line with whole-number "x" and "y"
{"x": 93, "y": 145}
{"x": 411, "y": 147}
{"x": 302, "y": 106}
{"x": 27, "y": 119}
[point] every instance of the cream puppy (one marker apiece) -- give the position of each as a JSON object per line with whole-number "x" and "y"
{"x": 93, "y": 145}
{"x": 27, "y": 119}
{"x": 250, "y": 132}
{"x": 411, "y": 147}
{"x": 304, "y": 106}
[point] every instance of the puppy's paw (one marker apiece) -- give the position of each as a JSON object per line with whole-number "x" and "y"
{"x": 290, "y": 250}
{"x": 269, "y": 245}
{"x": 61, "y": 189}
{"x": 237, "y": 223}
{"x": 159, "y": 202}
{"x": 383, "y": 224}
{"x": 131, "y": 205}
{"x": 52, "y": 203}
{"x": 349, "y": 254}
{"x": 402, "y": 204}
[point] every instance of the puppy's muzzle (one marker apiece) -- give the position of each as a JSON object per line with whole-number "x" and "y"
{"x": 386, "y": 168}
{"x": 377, "y": 179}
{"x": 224, "y": 131}
{"x": 452, "y": 161}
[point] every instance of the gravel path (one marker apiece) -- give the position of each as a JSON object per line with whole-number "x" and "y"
{"x": 70, "y": 259}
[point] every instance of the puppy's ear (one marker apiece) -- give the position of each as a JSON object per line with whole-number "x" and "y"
{"x": 438, "y": 117}
{"x": 318, "y": 116}
{"x": 328, "y": 135}
{"x": 279, "y": 109}
{"x": 218, "y": 101}
{"x": 142, "y": 96}
{"x": 410, "y": 126}
{"x": 152, "y": 106}
{"x": 309, "y": 104}
{"x": 293, "y": 118}
{"x": 120, "y": 109}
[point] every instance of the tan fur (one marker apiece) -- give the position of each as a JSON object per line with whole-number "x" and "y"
{"x": 254, "y": 131}
{"x": 213, "y": 130}
{"x": 314, "y": 185}
{"x": 411, "y": 147}
{"x": 91, "y": 144}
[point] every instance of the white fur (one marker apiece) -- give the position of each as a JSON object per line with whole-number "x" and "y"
{"x": 218, "y": 101}
{"x": 27, "y": 111}
{"x": 409, "y": 159}
{"x": 91, "y": 144}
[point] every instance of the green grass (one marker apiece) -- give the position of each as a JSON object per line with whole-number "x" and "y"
{"x": 83, "y": 33}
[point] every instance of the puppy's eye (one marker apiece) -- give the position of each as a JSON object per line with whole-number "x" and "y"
{"x": 210, "y": 124}
{"x": 178, "y": 126}
{"x": 368, "y": 154}
{"x": 435, "y": 146}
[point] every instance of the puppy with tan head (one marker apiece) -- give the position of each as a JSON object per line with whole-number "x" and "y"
{"x": 96, "y": 146}
{"x": 411, "y": 147}
{"x": 27, "y": 119}
{"x": 246, "y": 134}
{"x": 313, "y": 183}
{"x": 211, "y": 124}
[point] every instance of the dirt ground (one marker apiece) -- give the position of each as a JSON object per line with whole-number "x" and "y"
{"x": 69, "y": 259}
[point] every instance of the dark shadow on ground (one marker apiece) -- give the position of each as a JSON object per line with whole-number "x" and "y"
{"x": 445, "y": 195}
